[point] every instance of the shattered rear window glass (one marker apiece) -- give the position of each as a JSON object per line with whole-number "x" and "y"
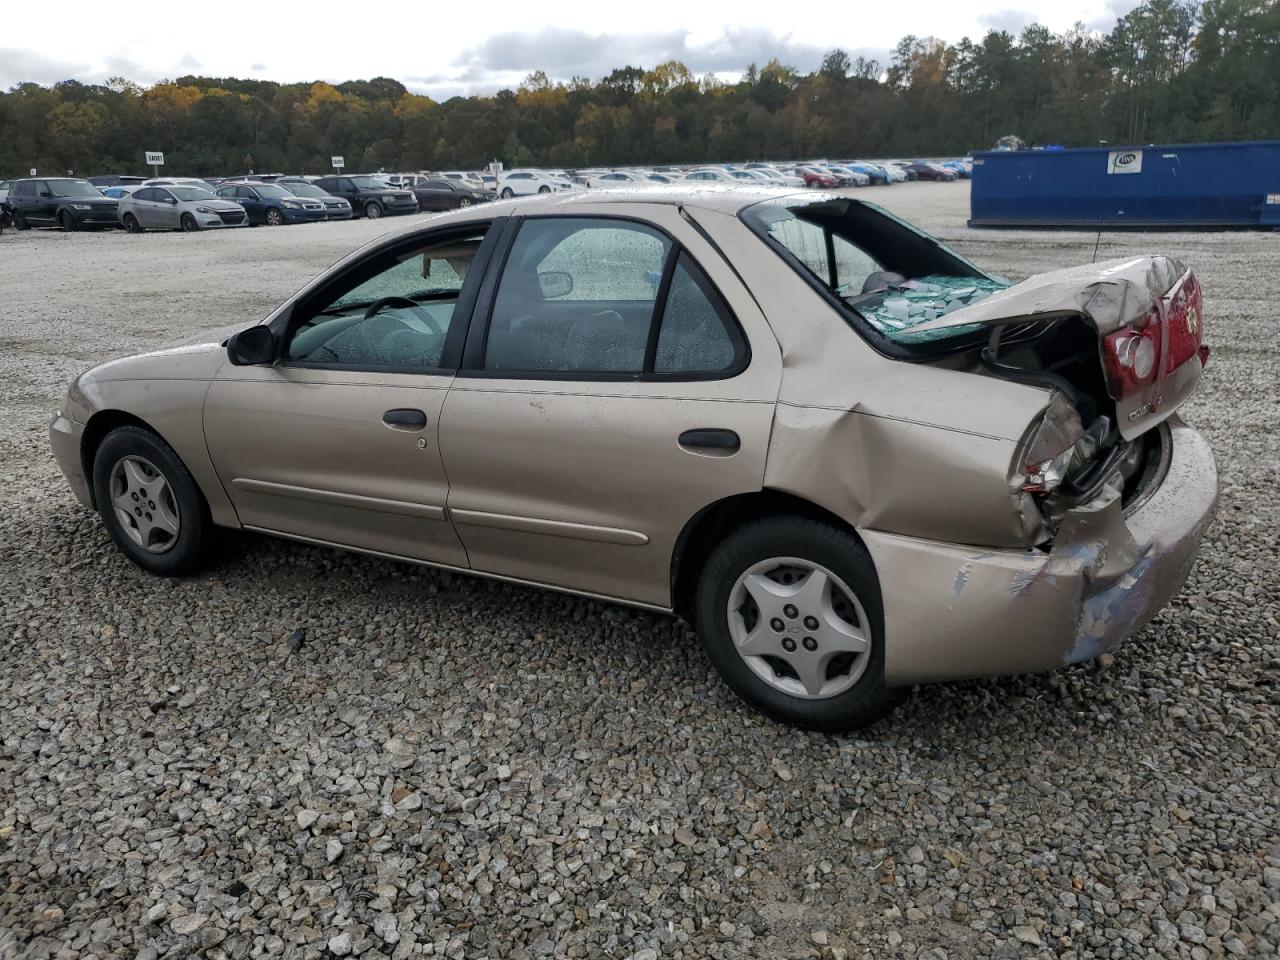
{"x": 899, "y": 308}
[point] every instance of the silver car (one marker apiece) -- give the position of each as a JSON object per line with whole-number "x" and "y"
{"x": 179, "y": 207}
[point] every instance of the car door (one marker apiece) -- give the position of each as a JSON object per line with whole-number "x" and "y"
{"x": 622, "y": 381}
{"x": 337, "y": 441}
{"x": 248, "y": 198}
{"x": 166, "y": 209}
{"x": 437, "y": 195}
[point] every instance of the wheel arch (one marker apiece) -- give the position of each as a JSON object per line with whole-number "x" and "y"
{"x": 717, "y": 520}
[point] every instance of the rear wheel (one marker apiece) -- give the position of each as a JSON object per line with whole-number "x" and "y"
{"x": 151, "y": 506}
{"x": 373, "y": 210}
{"x": 131, "y": 223}
{"x": 275, "y": 218}
{"x": 789, "y": 612}
{"x": 66, "y": 221}
{"x": 189, "y": 224}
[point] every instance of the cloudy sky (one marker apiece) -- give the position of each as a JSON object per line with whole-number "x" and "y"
{"x": 445, "y": 49}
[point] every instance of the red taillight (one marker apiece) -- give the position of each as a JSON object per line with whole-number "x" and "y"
{"x": 1132, "y": 356}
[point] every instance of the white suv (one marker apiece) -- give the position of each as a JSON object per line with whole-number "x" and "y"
{"x": 522, "y": 183}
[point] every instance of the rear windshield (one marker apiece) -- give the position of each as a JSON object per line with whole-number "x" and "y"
{"x": 191, "y": 193}
{"x": 304, "y": 189}
{"x": 884, "y": 275}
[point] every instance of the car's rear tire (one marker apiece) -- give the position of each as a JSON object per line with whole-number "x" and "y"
{"x": 373, "y": 210}
{"x": 151, "y": 505}
{"x": 274, "y": 218}
{"x": 507, "y": 193}
{"x": 131, "y": 223}
{"x": 188, "y": 223}
{"x": 66, "y": 221}
{"x": 789, "y": 611}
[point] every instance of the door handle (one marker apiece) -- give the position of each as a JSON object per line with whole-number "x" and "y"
{"x": 711, "y": 438}
{"x": 405, "y": 418}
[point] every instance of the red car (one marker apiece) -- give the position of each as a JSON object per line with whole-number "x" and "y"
{"x": 818, "y": 179}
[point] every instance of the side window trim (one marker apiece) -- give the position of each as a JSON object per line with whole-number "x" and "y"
{"x": 464, "y": 314}
{"x": 473, "y": 354}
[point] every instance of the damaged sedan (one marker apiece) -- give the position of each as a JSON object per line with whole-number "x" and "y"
{"x": 851, "y": 458}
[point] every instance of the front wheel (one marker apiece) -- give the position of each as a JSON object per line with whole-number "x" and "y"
{"x": 507, "y": 193}
{"x": 66, "y": 221}
{"x": 464, "y": 202}
{"x": 789, "y": 612}
{"x": 20, "y": 222}
{"x": 189, "y": 224}
{"x": 275, "y": 218}
{"x": 373, "y": 210}
{"x": 544, "y": 189}
{"x": 151, "y": 506}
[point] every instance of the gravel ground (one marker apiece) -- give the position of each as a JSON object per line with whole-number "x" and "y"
{"x": 453, "y": 767}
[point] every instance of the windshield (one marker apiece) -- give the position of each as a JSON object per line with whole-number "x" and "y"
{"x": 886, "y": 275}
{"x": 191, "y": 193}
{"x": 370, "y": 183}
{"x": 304, "y": 189}
{"x": 74, "y": 188}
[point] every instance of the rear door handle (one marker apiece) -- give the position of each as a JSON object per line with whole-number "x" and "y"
{"x": 405, "y": 418}
{"x": 711, "y": 438}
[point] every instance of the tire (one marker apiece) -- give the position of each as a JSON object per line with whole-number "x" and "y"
{"x": 507, "y": 193}
{"x": 131, "y": 223}
{"x": 66, "y": 222}
{"x": 274, "y": 218}
{"x": 464, "y": 202}
{"x": 792, "y": 553}
{"x": 184, "y": 508}
{"x": 373, "y": 210}
{"x": 20, "y": 222}
{"x": 544, "y": 189}
{"x": 188, "y": 223}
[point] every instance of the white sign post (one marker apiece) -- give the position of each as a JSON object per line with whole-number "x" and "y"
{"x": 338, "y": 163}
{"x": 156, "y": 160}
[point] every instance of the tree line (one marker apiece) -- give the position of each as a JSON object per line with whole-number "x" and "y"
{"x": 1169, "y": 71}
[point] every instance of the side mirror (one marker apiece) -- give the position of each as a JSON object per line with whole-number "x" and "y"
{"x": 555, "y": 283}
{"x": 250, "y": 347}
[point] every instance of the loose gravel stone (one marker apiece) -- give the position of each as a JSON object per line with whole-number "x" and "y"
{"x": 173, "y": 777}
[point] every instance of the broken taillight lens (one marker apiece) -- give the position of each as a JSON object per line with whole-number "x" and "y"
{"x": 1132, "y": 356}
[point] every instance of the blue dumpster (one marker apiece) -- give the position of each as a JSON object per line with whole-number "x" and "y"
{"x": 1154, "y": 186}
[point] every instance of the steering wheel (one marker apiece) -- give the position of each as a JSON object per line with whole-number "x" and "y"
{"x": 395, "y": 301}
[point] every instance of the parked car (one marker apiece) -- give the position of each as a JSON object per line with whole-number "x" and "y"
{"x": 180, "y": 182}
{"x": 710, "y": 175}
{"x": 846, "y": 177}
{"x": 961, "y": 169}
{"x": 117, "y": 193}
{"x": 116, "y": 180}
{"x": 875, "y": 174}
{"x": 523, "y": 183}
{"x": 179, "y": 207}
{"x": 66, "y": 202}
{"x": 272, "y": 204}
{"x": 776, "y": 175}
{"x": 449, "y": 194}
{"x": 4, "y": 192}
{"x": 821, "y": 179}
{"x": 473, "y": 180}
{"x": 844, "y": 502}
{"x": 368, "y": 196}
{"x": 619, "y": 178}
{"x": 335, "y": 208}
{"x": 930, "y": 171}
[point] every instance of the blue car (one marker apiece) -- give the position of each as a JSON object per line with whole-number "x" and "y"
{"x": 959, "y": 168}
{"x": 272, "y": 205}
{"x": 879, "y": 176}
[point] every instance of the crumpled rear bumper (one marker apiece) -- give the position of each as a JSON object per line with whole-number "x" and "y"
{"x": 953, "y": 611}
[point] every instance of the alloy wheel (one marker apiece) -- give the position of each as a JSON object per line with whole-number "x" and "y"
{"x": 144, "y": 504}
{"x": 799, "y": 628}
{"x": 274, "y": 218}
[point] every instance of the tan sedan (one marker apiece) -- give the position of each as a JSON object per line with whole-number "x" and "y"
{"x": 853, "y": 459}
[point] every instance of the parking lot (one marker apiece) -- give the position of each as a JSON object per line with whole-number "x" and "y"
{"x": 454, "y": 767}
